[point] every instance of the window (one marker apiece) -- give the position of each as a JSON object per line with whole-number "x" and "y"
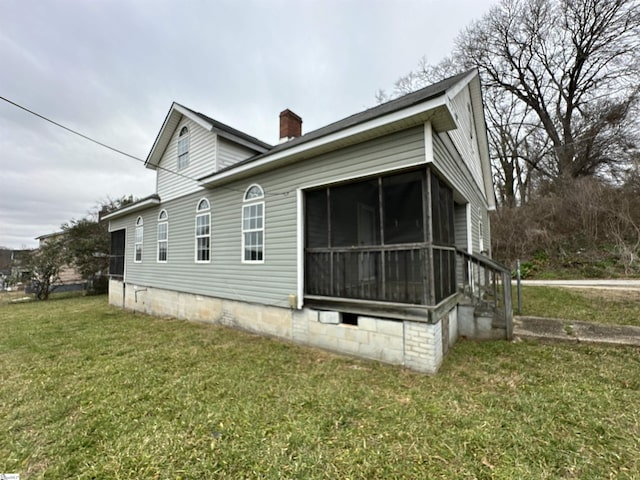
{"x": 203, "y": 231}
{"x": 138, "y": 243}
{"x": 253, "y": 225}
{"x": 183, "y": 148}
{"x": 163, "y": 236}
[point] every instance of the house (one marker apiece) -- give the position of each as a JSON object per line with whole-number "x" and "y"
{"x": 14, "y": 273}
{"x": 69, "y": 278}
{"x": 363, "y": 237}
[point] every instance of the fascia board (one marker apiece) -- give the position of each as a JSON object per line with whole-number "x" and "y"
{"x": 459, "y": 86}
{"x": 164, "y": 135}
{"x": 483, "y": 140}
{"x": 195, "y": 118}
{"x": 390, "y": 118}
{"x": 132, "y": 208}
{"x": 240, "y": 141}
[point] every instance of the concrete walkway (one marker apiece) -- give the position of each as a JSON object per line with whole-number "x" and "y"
{"x": 575, "y": 331}
{"x": 626, "y": 284}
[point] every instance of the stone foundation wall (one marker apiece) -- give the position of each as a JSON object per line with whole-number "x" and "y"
{"x": 420, "y": 346}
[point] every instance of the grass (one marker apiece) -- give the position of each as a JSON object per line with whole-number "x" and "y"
{"x": 590, "y": 305}
{"x": 90, "y": 391}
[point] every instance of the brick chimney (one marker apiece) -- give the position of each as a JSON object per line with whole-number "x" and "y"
{"x": 290, "y": 125}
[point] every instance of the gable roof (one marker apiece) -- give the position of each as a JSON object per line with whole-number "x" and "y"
{"x": 174, "y": 117}
{"x": 400, "y": 103}
{"x": 426, "y": 104}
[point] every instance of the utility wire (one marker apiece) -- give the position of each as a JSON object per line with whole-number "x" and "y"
{"x": 97, "y": 142}
{"x": 121, "y": 152}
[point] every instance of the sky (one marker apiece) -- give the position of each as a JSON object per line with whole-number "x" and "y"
{"x": 110, "y": 69}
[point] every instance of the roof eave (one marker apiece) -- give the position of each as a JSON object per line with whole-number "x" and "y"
{"x": 134, "y": 207}
{"x": 394, "y": 121}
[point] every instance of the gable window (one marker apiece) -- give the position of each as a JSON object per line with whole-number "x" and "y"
{"x": 253, "y": 225}
{"x": 183, "y": 148}
{"x": 163, "y": 236}
{"x": 137, "y": 257}
{"x": 203, "y": 231}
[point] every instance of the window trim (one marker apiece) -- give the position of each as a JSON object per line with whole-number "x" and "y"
{"x": 202, "y": 211}
{"x": 163, "y": 219}
{"x": 184, "y": 138}
{"x": 249, "y": 202}
{"x": 139, "y": 228}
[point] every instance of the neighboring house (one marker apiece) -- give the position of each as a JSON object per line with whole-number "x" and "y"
{"x": 13, "y": 270}
{"x": 69, "y": 279}
{"x": 360, "y": 237}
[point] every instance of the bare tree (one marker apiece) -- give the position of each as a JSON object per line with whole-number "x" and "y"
{"x": 574, "y": 63}
{"x": 560, "y": 88}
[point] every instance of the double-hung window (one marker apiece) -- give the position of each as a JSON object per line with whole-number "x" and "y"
{"x": 163, "y": 236}
{"x": 203, "y": 231}
{"x": 253, "y": 225}
{"x": 137, "y": 256}
{"x": 183, "y": 148}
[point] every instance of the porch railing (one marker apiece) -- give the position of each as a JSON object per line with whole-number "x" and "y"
{"x": 488, "y": 284}
{"x": 397, "y": 273}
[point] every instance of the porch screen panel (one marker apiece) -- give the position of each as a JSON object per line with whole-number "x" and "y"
{"x": 402, "y": 204}
{"x": 355, "y": 218}
{"x": 317, "y": 218}
{"x": 116, "y": 257}
{"x": 367, "y": 240}
{"x": 442, "y": 212}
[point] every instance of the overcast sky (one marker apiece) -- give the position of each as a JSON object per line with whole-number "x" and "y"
{"x": 110, "y": 69}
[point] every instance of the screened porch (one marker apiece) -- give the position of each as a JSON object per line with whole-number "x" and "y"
{"x": 388, "y": 238}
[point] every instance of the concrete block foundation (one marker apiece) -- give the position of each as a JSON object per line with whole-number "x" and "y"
{"x": 418, "y": 345}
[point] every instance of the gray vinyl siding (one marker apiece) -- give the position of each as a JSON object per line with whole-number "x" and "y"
{"x": 448, "y": 161}
{"x": 226, "y": 276}
{"x": 460, "y": 226}
{"x": 465, "y": 137}
{"x": 202, "y": 151}
{"x": 230, "y": 153}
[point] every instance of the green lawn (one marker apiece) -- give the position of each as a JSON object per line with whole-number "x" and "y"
{"x": 89, "y": 391}
{"x": 616, "y": 307}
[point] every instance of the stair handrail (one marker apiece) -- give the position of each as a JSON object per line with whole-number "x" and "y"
{"x": 505, "y": 274}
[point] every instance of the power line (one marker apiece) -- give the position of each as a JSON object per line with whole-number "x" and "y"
{"x": 121, "y": 152}
{"x": 93, "y": 140}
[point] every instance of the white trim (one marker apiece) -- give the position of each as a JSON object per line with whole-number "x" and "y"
{"x": 428, "y": 142}
{"x": 163, "y": 222}
{"x": 132, "y": 208}
{"x": 469, "y": 230}
{"x": 480, "y": 232}
{"x": 181, "y": 140}
{"x": 300, "y": 247}
{"x": 244, "y": 197}
{"x": 140, "y": 226}
{"x": 250, "y": 203}
{"x": 208, "y": 207}
{"x": 201, "y": 212}
{"x": 460, "y": 85}
{"x": 194, "y": 118}
{"x": 369, "y": 173}
{"x": 381, "y": 121}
